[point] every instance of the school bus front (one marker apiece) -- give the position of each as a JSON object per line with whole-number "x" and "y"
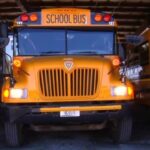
{"x": 65, "y": 69}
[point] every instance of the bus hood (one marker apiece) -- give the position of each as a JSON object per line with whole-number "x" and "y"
{"x": 68, "y": 63}
{"x": 65, "y": 76}
{"x": 31, "y": 67}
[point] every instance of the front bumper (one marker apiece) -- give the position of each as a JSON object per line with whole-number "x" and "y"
{"x": 89, "y": 113}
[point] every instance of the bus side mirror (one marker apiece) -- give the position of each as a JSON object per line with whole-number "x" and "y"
{"x": 4, "y": 40}
{"x": 134, "y": 39}
{"x": 121, "y": 51}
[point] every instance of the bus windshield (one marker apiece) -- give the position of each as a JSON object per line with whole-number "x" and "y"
{"x": 37, "y": 42}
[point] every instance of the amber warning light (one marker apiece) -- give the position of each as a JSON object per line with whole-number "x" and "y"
{"x": 33, "y": 17}
{"x": 98, "y": 17}
{"x": 17, "y": 63}
{"x": 116, "y": 62}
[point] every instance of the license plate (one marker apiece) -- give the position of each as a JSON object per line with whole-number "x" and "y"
{"x": 70, "y": 113}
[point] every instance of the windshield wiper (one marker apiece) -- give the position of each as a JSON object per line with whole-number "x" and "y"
{"x": 82, "y": 52}
{"x": 85, "y": 52}
{"x": 52, "y": 52}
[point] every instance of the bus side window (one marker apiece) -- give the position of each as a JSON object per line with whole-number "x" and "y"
{"x": 144, "y": 54}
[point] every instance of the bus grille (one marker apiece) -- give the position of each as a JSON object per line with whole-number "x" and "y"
{"x": 53, "y": 82}
{"x": 84, "y": 82}
{"x": 56, "y": 83}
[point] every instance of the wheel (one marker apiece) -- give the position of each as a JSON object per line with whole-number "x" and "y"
{"x": 13, "y": 134}
{"x": 122, "y": 130}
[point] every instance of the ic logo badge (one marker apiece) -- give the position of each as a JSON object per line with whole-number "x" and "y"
{"x": 68, "y": 64}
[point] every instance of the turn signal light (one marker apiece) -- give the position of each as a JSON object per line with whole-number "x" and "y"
{"x": 130, "y": 91}
{"x": 17, "y": 63}
{"x": 6, "y": 93}
{"x": 98, "y": 17}
{"x": 24, "y": 18}
{"x": 33, "y": 17}
{"x": 116, "y": 62}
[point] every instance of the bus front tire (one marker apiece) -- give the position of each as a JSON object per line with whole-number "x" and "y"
{"x": 122, "y": 130}
{"x": 13, "y": 134}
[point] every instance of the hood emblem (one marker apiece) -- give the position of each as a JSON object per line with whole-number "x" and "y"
{"x": 68, "y": 64}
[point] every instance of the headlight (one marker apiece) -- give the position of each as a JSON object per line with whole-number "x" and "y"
{"x": 18, "y": 93}
{"x": 121, "y": 91}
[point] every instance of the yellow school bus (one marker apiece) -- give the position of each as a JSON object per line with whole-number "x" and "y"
{"x": 139, "y": 67}
{"x": 66, "y": 71}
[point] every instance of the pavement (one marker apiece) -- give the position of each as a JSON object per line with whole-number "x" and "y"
{"x": 84, "y": 140}
{"x": 81, "y": 140}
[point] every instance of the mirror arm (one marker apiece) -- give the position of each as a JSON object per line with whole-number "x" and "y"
{"x": 123, "y": 77}
{"x": 12, "y": 79}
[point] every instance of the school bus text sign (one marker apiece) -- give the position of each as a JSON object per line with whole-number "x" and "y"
{"x": 66, "y": 17}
